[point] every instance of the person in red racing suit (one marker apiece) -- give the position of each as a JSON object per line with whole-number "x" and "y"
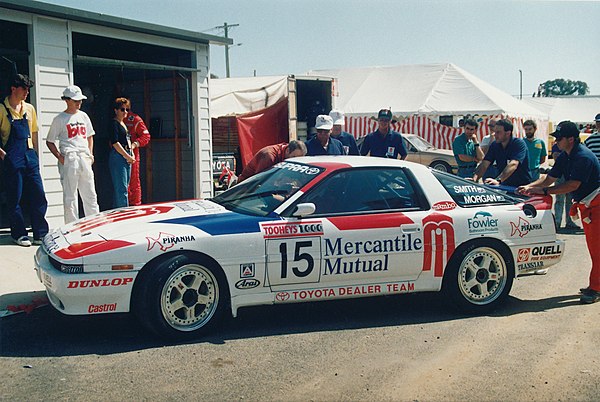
{"x": 140, "y": 137}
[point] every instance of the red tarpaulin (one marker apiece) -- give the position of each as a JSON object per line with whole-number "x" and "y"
{"x": 265, "y": 127}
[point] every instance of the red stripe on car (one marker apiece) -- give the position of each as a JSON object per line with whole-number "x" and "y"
{"x": 379, "y": 221}
{"x": 79, "y": 250}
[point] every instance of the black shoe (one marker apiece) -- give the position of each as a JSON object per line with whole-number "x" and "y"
{"x": 590, "y": 297}
{"x": 585, "y": 290}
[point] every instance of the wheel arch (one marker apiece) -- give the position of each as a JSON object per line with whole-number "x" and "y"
{"x": 486, "y": 242}
{"x": 197, "y": 256}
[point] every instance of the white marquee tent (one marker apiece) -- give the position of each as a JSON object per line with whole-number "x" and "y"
{"x": 419, "y": 94}
{"x": 429, "y": 89}
{"x": 579, "y": 109}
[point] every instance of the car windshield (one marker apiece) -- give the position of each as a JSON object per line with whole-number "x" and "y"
{"x": 261, "y": 194}
{"x": 420, "y": 143}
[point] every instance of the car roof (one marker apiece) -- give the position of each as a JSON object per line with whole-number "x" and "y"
{"x": 356, "y": 161}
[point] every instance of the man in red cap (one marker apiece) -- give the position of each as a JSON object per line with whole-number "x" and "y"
{"x": 140, "y": 137}
{"x": 581, "y": 170}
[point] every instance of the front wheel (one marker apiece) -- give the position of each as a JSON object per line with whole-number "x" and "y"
{"x": 479, "y": 277}
{"x": 181, "y": 298}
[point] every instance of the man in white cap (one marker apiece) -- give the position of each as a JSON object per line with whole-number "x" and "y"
{"x": 322, "y": 143}
{"x": 74, "y": 132}
{"x": 337, "y": 132}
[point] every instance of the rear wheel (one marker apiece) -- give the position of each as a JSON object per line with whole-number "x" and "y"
{"x": 181, "y": 297}
{"x": 479, "y": 277}
{"x": 441, "y": 166}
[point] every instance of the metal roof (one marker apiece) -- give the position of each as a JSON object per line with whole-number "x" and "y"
{"x": 52, "y": 10}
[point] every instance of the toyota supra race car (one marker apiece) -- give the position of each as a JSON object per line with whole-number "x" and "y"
{"x": 309, "y": 229}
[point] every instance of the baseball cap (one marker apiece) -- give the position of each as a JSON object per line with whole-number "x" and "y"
{"x": 337, "y": 116}
{"x": 73, "y": 92}
{"x": 385, "y": 114}
{"x": 597, "y": 117}
{"x": 566, "y": 129}
{"x": 21, "y": 80}
{"x": 324, "y": 122}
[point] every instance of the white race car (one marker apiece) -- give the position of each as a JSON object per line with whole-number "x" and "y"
{"x": 309, "y": 229}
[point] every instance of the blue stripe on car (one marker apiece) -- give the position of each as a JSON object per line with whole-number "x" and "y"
{"x": 222, "y": 224}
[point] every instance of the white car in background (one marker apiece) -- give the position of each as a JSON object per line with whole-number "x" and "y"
{"x": 309, "y": 229}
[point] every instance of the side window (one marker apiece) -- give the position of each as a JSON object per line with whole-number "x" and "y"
{"x": 363, "y": 190}
{"x": 468, "y": 194}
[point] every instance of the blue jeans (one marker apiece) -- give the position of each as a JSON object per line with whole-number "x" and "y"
{"x": 26, "y": 183}
{"x": 562, "y": 204}
{"x": 120, "y": 173}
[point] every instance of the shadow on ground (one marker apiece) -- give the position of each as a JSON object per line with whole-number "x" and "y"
{"x": 46, "y": 332}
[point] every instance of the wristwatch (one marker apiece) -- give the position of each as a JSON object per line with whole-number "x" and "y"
{"x": 476, "y": 144}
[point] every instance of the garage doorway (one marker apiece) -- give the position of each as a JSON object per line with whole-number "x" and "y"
{"x": 157, "y": 80}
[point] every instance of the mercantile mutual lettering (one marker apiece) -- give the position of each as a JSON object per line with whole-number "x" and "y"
{"x": 340, "y": 248}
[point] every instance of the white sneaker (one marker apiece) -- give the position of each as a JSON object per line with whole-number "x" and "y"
{"x": 541, "y": 271}
{"x": 23, "y": 241}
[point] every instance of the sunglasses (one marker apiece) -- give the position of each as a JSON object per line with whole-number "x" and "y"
{"x": 124, "y": 109}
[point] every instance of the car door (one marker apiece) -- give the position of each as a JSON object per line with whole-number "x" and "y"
{"x": 367, "y": 228}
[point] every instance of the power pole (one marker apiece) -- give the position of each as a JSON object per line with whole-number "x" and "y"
{"x": 226, "y": 27}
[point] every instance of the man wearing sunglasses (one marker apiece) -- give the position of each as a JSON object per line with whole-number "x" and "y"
{"x": 75, "y": 134}
{"x": 18, "y": 150}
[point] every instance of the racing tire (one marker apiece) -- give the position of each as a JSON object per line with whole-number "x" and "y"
{"x": 441, "y": 166}
{"x": 181, "y": 297}
{"x": 479, "y": 276}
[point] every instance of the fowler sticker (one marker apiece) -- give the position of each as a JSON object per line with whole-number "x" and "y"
{"x": 482, "y": 222}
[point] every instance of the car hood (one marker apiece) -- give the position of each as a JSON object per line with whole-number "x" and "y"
{"x": 119, "y": 228}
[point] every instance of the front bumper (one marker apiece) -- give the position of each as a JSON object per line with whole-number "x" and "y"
{"x": 85, "y": 293}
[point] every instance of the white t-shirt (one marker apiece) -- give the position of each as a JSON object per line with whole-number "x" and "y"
{"x": 72, "y": 132}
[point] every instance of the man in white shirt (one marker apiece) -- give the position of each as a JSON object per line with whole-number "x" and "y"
{"x": 73, "y": 129}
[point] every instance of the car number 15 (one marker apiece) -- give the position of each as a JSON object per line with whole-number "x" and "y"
{"x": 292, "y": 261}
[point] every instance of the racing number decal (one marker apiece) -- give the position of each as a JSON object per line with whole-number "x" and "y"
{"x": 293, "y": 261}
{"x": 297, "y": 257}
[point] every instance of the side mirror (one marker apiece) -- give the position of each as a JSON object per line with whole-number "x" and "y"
{"x": 304, "y": 209}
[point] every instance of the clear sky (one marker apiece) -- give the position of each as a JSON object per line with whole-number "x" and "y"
{"x": 491, "y": 39}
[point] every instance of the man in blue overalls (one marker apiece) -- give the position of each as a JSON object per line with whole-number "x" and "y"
{"x": 18, "y": 130}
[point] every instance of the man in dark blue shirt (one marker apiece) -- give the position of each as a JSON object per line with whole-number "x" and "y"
{"x": 511, "y": 157}
{"x": 338, "y": 133}
{"x": 322, "y": 143}
{"x": 581, "y": 170}
{"x": 385, "y": 142}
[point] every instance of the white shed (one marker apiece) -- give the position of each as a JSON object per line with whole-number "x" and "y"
{"x": 163, "y": 70}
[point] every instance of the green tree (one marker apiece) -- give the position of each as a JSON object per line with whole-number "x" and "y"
{"x": 561, "y": 86}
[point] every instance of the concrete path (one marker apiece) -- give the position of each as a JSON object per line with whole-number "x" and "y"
{"x": 20, "y": 289}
